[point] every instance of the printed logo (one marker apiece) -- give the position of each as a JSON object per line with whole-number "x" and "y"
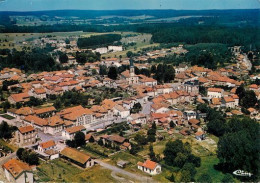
{"x": 242, "y": 173}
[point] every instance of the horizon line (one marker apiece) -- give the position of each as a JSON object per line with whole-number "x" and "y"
{"x": 131, "y": 10}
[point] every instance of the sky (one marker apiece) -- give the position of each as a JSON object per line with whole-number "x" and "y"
{"x": 34, "y": 5}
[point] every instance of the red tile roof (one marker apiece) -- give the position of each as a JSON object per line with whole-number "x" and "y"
{"x": 148, "y": 164}
{"x": 75, "y": 129}
{"x": 26, "y": 129}
{"x": 16, "y": 167}
{"x": 47, "y": 144}
{"x": 36, "y": 120}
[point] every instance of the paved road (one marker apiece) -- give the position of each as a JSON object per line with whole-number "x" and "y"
{"x": 126, "y": 173}
{"x": 147, "y": 108}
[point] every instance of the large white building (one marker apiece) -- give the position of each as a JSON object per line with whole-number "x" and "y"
{"x": 115, "y": 48}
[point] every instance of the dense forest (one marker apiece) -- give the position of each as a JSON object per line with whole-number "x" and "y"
{"x": 206, "y": 34}
{"x": 100, "y": 40}
{"x": 162, "y": 33}
{"x": 34, "y": 60}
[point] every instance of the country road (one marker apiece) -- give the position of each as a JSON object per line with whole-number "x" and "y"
{"x": 137, "y": 177}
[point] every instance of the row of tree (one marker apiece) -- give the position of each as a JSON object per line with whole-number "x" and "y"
{"x": 99, "y": 40}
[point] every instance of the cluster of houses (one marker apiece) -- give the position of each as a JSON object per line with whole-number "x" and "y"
{"x": 163, "y": 104}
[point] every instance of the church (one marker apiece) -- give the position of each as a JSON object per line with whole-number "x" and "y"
{"x": 129, "y": 75}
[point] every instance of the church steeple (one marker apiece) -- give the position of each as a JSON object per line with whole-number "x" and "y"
{"x": 132, "y": 68}
{"x": 131, "y": 62}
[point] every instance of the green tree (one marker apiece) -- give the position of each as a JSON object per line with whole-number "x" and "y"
{"x": 63, "y": 58}
{"x": 6, "y": 131}
{"x": 171, "y": 178}
{"x": 227, "y": 178}
{"x": 153, "y": 69}
{"x": 129, "y": 54}
{"x": 91, "y": 140}
{"x": 140, "y": 139}
{"x": 134, "y": 149}
{"x": 172, "y": 125}
{"x": 249, "y": 100}
{"x": 102, "y": 70}
{"x": 180, "y": 159}
{"x": 79, "y": 139}
{"x": 6, "y": 105}
{"x": 151, "y": 153}
{"x": 100, "y": 142}
{"x": 57, "y": 104}
{"x": 205, "y": 178}
{"x": 112, "y": 73}
{"x": 136, "y": 108}
{"x": 67, "y": 41}
{"x": 185, "y": 176}
{"x": 19, "y": 153}
{"x": 94, "y": 72}
{"x": 154, "y": 126}
{"x": 191, "y": 168}
{"x": 33, "y": 159}
{"x": 216, "y": 127}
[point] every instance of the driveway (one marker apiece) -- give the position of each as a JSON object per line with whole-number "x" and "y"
{"x": 137, "y": 177}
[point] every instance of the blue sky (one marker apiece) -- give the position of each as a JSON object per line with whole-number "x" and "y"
{"x": 33, "y": 5}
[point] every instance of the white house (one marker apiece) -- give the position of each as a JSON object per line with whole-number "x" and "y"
{"x": 215, "y": 93}
{"x": 46, "y": 146}
{"x": 69, "y": 133}
{"x": 121, "y": 111}
{"x": 189, "y": 115}
{"x": 150, "y": 167}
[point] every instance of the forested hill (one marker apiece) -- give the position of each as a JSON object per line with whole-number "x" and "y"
{"x": 242, "y": 17}
{"x": 238, "y": 13}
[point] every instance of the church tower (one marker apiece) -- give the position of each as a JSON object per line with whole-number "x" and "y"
{"x": 132, "y": 68}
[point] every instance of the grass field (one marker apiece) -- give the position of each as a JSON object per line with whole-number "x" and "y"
{"x": 60, "y": 171}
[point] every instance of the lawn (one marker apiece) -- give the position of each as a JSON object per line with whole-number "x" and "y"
{"x": 207, "y": 166}
{"x": 6, "y": 116}
{"x": 61, "y": 171}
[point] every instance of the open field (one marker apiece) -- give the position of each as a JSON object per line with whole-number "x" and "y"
{"x": 61, "y": 171}
{"x": 15, "y": 40}
{"x": 138, "y": 46}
